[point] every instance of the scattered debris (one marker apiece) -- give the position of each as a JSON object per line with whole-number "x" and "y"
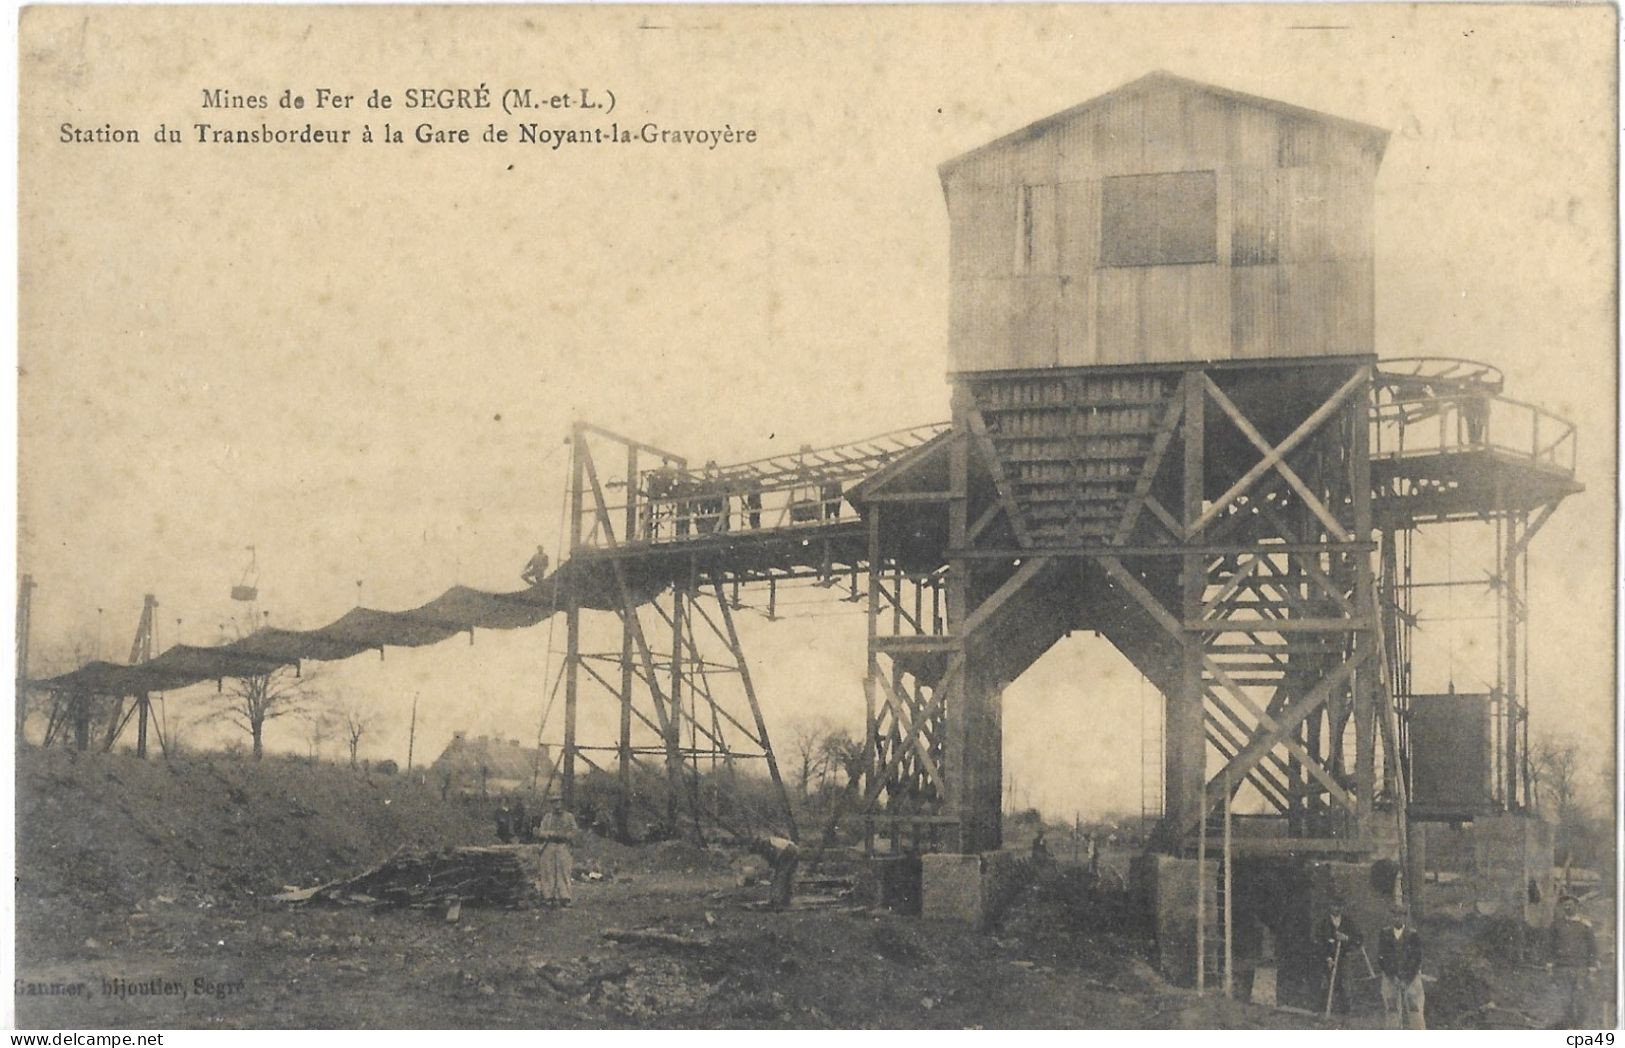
{"x": 667, "y": 940}
{"x": 479, "y": 876}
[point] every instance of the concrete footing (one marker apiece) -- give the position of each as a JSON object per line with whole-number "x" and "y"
{"x": 1500, "y": 864}
{"x": 971, "y": 889}
{"x": 1167, "y": 888}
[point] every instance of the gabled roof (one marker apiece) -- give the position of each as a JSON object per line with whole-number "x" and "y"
{"x": 1153, "y": 81}
{"x": 500, "y": 758}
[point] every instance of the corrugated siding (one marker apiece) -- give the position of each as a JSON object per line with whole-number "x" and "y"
{"x": 1076, "y": 337}
{"x": 1257, "y": 214}
{"x": 1078, "y": 207}
{"x": 1043, "y": 253}
{"x": 1255, "y": 294}
{"x": 1032, "y": 327}
{"x": 982, "y": 231}
{"x": 1293, "y": 271}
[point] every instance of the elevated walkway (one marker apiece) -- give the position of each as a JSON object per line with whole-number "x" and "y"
{"x": 1074, "y": 452}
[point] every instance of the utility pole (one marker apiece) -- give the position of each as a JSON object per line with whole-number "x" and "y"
{"x": 25, "y": 602}
{"x": 412, "y": 732}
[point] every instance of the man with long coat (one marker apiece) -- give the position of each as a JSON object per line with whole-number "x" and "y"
{"x": 557, "y": 833}
{"x": 1338, "y": 940}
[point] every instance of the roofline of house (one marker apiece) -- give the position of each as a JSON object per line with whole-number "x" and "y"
{"x": 1161, "y": 78}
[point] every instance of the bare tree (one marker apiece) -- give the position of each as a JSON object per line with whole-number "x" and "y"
{"x": 251, "y": 702}
{"x": 356, "y": 720}
{"x": 844, "y": 756}
{"x": 807, "y": 753}
{"x": 320, "y": 723}
{"x": 1555, "y": 768}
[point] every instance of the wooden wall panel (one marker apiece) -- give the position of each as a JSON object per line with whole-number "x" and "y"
{"x": 1293, "y": 233}
{"x": 1209, "y": 313}
{"x": 1117, "y": 315}
{"x": 1078, "y": 210}
{"x": 1165, "y": 301}
{"x": 982, "y": 231}
{"x": 1075, "y": 323}
{"x": 1044, "y": 257}
{"x": 1031, "y": 331}
{"x": 1253, "y": 310}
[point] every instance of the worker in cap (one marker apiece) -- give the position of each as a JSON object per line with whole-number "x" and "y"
{"x": 536, "y": 568}
{"x": 1399, "y": 961}
{"x": 1574, "y": 955}
{"x": 557, "y": 834}
{"x": 783, "y": 856}
{"x": 1338, "y": 939}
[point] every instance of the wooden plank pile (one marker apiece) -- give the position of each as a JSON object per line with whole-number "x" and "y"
{"x": 477, "y": 876}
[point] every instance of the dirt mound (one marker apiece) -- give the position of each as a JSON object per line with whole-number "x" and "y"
{"x": 686, "y": 857}
{"x": 1069, "y": 916}
{"x": 109, "y": 830}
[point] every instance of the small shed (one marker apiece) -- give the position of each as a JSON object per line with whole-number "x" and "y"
{"x": 1167, "y": 220}
{"x": 487, "y": 766}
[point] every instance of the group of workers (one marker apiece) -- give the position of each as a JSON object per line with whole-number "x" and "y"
{"x": 704, "y": 505}
{"x": 1571, "y": 952}
{"x": 710, "y": 503}
{"x": 1398, "y": 967}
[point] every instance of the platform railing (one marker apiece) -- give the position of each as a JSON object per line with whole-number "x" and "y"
{"x": 800, "y": 490}
{"x": 1437, "y": 373}
{"x": 1402, "y": 427}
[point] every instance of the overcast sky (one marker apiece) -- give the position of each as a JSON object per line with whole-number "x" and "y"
{"x": 362, "y": 360}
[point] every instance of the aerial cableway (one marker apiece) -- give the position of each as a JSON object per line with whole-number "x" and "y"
{"x": 690, "y": 538}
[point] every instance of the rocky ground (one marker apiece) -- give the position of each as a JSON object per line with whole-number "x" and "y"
{"x": 135, "y": 878}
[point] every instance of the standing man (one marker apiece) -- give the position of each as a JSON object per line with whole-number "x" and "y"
{"x": 557, "y": 833}
{"x": 783, "y": 857}
{"x": 1042, "y": 859}
{"x": 1339, "y": 941}
{"x": 1399, "y": 960}
{"x": 1574, "y": 954}
{"x": 536, "y": 570}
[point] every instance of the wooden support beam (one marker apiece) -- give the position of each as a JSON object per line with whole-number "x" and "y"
{"x": 1309, "y": 761}
{"x": 986, "y": 519}
{"x": 756, "y": 711}
{"x": 1289, "y": 722}
{"x": 1281, "y": 626}
{"x": 912, "y": 497}
{"x": 1153, "y": 464}
{"x": 1026, "y": 573}
{"x": 1143, "y": 596}
{"x": 1310, "y": 499}
{"x": 1228, "y": 745}
{"x": 995, "y": 466}
{"x": 911, "y": 726}
{"x": 1277, "y": 454}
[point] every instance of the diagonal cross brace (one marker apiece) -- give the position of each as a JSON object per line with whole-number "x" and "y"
{"x": 1294, "y": 715}
{"x": 1275, "y": 457}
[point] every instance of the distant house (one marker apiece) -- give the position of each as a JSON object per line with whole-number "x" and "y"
{"x": 486, "y": 766}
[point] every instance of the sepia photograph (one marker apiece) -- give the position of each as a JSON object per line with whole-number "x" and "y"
{"x": 1095, "y": 516}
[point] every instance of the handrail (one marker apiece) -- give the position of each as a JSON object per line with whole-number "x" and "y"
{"x": 1463, "y": 422}
{"x": 792, "y": 490}
{"x": 1454, "y": 370}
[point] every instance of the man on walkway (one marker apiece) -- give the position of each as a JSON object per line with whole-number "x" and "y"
{"x": 1399, "y": 960}
{"x": 535, "y": 569}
